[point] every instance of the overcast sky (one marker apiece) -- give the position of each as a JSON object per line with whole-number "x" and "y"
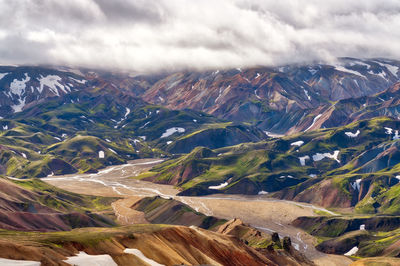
{"x": 146, "y": 35}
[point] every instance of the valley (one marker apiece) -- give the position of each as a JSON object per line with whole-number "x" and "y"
{"x": 308, "y": 151}
{"x": 263, "y": 213}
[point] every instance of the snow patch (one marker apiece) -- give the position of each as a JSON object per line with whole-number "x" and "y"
{"x": 352, "y": 135}
{"x": 308, "y": 96}
{"x": 392, "y": 68}
{"x": 303, "y": 160}
{"x": 282, "y": 176}
{"x": 389, "y": 131}
{"x": 83, "y": 259}
{"x": 380, "y": 74}
{"x": 396, "y": 135}
{"x": 141, "y": 256}
{"x": 297, "y": 143}
{"x": 312, "y": 175}
{"x": 5, "y": 127}
{"x": 101, "y": 154}
{"x": 362, "y": 227}
{"x": 17, "y": 87}
{"x": 23, "y": 155}
{"x": 262, "y": 192}
{"x": 79, "y": 81}
{"x": 319, "y": 156}
{"x": 18, "y": 107}
{"x": 360, "y": 63}
{"x": 112, "y": 151}
{"x": 351, "y": 252}
{"x": 356, "y": 185}
{"x": 343, "y": 69}
{"x": 169, "y": 142}
{"x": 220, "y": 186}
{"x": 53, "y": 82}
{"x": 128, "y": 111}
{"x": 171, "y": 131}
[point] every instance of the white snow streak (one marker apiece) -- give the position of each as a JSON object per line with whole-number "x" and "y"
{"x": 352, "y": 135}
{"x": 315, "y": 120}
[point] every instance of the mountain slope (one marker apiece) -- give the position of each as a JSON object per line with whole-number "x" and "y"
{"x": 167, "y": 245}
{"x": 275, "y": 99}
{"x": 168, "y": 211}
{"x": 22, "y": 87}
{"x": 100, "y": 125}
{"x": 35, "y": 206}
{"x": 357, "y": 165}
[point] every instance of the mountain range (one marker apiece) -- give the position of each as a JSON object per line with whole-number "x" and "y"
{"x": 324, "y": 134}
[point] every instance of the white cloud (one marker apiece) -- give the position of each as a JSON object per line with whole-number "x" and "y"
{"x": 163, "y": 34}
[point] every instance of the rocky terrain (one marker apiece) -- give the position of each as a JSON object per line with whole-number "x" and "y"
{"x": 282, "y": 99}
{"x": 277, "y": 144}
{"x": 140, "y": 245}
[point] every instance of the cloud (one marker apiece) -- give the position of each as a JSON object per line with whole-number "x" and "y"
{"x": 140, "y": 35}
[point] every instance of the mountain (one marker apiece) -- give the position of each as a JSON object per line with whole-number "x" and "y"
{"x": 352, "y": 166}
{"x": 22, "y": 87}
{"x": 274, "y": 99}
{"x": 322, "y": 134}
{"x": 284, "y": 99}
{"x": 87, "y": 127}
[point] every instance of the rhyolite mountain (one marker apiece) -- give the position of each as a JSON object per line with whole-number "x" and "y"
{"x": 281, "y": 100}
{"x": 284, "y": 99}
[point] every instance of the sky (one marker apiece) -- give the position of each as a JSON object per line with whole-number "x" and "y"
{"x": 158, "y": 35}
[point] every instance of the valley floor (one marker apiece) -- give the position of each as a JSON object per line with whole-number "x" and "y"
{"x": 266, "y": 214}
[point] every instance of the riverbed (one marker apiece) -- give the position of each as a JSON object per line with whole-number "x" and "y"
{"x": 266, "y": 214}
